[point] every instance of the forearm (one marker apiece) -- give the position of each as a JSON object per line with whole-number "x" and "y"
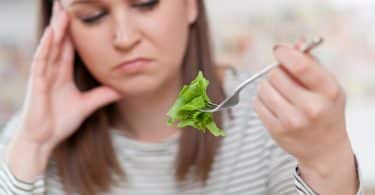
{"x": 334, "y": 175}
{"x": 27, "y": 160}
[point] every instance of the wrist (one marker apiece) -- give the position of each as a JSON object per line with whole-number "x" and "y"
{"x": 331, "y": 172}
{"x": 329, "y": 161}
{"x": 27, "y": 160}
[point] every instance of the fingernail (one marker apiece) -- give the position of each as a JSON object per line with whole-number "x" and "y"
{"x": 54, "y": 12}
{"x": 59, "y": 6}
{"x": 275, "y": 47}
{"x": 55, "y": 7}
{"x": 279, "y": 49}
{"x": 280, "y": 52}
{"x": 300, "y": 44}
{"x": 57, "y": 13}
{"x": 46, "y": 31}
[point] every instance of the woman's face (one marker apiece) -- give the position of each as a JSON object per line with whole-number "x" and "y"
{"x": 148, "y": 37}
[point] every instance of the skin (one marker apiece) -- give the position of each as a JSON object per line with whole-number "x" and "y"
{"x": 314, "y": 133}
{"x": 307, "y": 119}
{"x": 135, "y": 32}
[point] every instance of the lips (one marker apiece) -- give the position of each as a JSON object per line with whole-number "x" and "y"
{"x": 132, "y": 65}
{"x": 131, "y": 62}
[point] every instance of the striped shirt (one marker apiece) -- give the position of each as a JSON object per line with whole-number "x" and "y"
{"x": 248, "y": 161}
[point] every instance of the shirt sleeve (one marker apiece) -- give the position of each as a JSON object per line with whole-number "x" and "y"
{"x": 304, "y": 189}
{"x": 9, "y": 184}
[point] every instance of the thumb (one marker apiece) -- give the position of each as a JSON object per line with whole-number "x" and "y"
{"x": 300, "y": 44}
{"x": 99, "y": 97}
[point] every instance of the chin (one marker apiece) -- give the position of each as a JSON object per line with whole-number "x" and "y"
{"x": 137, "y": 87}
{"x": 147, "y": 84}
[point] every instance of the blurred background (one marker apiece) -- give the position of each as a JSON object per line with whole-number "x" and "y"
{"x": 244, "y": 32}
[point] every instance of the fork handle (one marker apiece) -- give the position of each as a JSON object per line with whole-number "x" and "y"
{"x": 316, "y": 41}
{"x": 256, "y": 76}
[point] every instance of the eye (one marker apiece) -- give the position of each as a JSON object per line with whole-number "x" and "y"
{"x": 94, "y": 18}
{"x": 147, "y": 4}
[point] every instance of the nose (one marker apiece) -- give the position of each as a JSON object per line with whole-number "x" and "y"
{"x": 127, "y": 35}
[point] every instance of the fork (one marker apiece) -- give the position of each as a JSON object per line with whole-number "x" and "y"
{"x": 234, "y": 99}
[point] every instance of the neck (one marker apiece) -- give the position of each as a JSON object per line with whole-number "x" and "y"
{"x": 143, "y": 117}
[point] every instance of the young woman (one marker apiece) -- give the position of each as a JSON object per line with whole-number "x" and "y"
{"x": 106, "y": 73}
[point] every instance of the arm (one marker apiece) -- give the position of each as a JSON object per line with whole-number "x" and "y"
{"x": 299, "y": 181}
{"x": 54, "y": 107}
{"x": 303, "y": 107}
{"x": 9, "y": 183}
{"x": 337, "y": 174}
{"x": 285, "y": 176}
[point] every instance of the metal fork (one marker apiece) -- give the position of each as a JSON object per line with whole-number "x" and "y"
{"x": 233, "y": 99}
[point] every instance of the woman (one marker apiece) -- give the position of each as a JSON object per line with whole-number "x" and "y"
{"x": 104, "y": 76}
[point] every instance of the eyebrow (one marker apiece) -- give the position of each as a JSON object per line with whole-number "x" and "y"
{"x": 77, "y": 2}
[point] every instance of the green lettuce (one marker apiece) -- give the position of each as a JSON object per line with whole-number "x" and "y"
{"x": 186, "y": 109}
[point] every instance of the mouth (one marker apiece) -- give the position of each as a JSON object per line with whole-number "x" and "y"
{"x": 132, "y": 66}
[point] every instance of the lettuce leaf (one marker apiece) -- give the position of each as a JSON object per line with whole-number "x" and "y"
{"x": 186, "y": 109}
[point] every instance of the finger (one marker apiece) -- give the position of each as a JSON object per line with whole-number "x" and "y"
{"x": 99, "y": 97}
{"x": 59, "y": 25}
{"x": 289, "y": 117}
{"x": 275, "y": 102}
{"x": 266, "y": 116}
{"x": 307, "y": 71}
{"x": 261, "y": 93}
{"x": 297, "y": 96}
{"x": 63, "y": 31}
{"x": 59, "y": 21}
{"x": 66, "y": 60}
{"x": 300, "y": 43}
{"x": 63, "y": 23}
{"x": 288, "y": 88}
{"x": 42, "y": 53}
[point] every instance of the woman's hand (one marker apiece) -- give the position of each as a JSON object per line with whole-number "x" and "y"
{"x": 54, "y": 107}
{"x": 303, "y": 106}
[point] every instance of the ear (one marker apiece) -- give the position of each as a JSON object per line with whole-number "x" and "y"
{"x": 192, "y": 8}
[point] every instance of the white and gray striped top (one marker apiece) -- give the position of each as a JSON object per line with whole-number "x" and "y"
{"x": 249, "y": 162}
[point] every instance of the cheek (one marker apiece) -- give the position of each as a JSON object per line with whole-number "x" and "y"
{"x": 169, "y": 31}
